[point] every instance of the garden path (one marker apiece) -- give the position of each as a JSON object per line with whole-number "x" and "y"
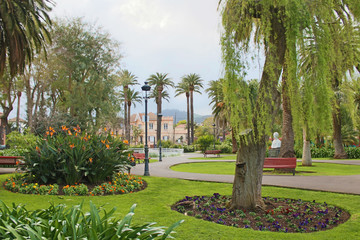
{"x": 341, "y": 184}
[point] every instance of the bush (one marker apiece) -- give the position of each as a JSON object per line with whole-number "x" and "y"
{"x": 205, "y": 141}
{"x": 58, "y": 222}
{"x": 189, "y": 148}
{"x": 70, "y": 156}
{"x": 18, "y": 140}
{"x": 165, "y": 143}
{"x": 13, "y": 152}
{"x": 225, "y": 147}
{"x": 328, "y": 152}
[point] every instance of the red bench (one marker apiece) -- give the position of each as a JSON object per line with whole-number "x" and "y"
{"x": 139, "y": 156}
{"x": 215, "y": 152}
{"x": 11, "y": 160}
{"x": 289, "y": 163}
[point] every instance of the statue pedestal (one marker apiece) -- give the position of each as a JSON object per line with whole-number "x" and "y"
{"x": 274, "y": 152}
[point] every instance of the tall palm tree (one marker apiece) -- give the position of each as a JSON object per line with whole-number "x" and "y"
{"x": 126, "y": 79}
{"x": 160, "y": 81}
{"x": 195, "y": 84}
{"x": 181, "y": 88}
{"x": 23, "y": 31}
{"x": 133, "y": 97}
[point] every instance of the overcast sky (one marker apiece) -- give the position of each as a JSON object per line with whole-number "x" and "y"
{"x": 168, "y": 36}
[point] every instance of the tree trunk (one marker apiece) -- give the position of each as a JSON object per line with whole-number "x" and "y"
{"x": 125, "y": 113}
{"x": 158, "y": 119}
{"x": 192, "y": 115}
{"x": 287, "y": 142}
{"x": 252, "y": 149}
{"x": 338, "y": 145}
{"x": 306, "y": 155}
{"x": 129, "y": 114}
{"x": 188, "y": 118}
{"x": 234, "y": 142}
{"x": 248, "y": 174}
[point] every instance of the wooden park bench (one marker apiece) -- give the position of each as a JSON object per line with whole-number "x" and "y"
{"x": 11, "y": 160}
{"x": 283, "y": 163}
{"x": 215, "y": 152}
{"x": 139, "y": 156}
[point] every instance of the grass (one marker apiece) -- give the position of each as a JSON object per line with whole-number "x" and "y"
{"x": 228, "y": 168}
{"x": 153, "y": 204}
{"x": 225, "y": 156}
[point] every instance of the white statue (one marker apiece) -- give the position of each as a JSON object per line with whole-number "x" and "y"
{"x": 276, "y": 143}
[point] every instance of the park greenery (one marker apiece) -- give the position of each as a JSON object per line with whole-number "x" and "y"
{"x": 74, "y": 83}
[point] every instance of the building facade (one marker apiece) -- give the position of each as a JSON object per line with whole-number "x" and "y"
{"x": 168, "y": 132}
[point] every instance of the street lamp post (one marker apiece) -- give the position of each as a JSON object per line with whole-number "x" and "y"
{"x": 160, "y": 157}
{"x": 146, "y": 88}
{"x": 214, "y": 134}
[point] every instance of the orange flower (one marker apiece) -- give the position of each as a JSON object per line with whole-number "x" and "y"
{"x": 37, "y": 149}
{"x": 126, "y": 141}
{"x": 105, "y": 129}
{"x": 17, "y": 162}
{"x": 107, "y": 146}
{"x": 51, "y": 133}
{"x": 72, "y": 145}
{"x": 69, "y": 132}
{"x": 103, "y": 141}
{"x": 47, "y": 133}
{"x": 51, "y": 129}
{"x": 90, "y": 160}
{"x": 64, "y": 128}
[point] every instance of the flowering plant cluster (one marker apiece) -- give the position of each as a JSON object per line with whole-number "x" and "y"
{"x": 68, "y": 156}
{"x": 76, "y": 189}
{"x": 121, "y": 183}
{"x": 17, "y": 185}
{"x": 282, "y": 215}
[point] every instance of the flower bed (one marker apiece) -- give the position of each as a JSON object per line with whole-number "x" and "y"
{"x": 121, "y": 183}
{"x": 281, "y": 215}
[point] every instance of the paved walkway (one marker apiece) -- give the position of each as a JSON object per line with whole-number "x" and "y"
{"x": 339, "y": 184}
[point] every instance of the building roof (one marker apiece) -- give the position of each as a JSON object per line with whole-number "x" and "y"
{"x": 14, "y": 120}
{"x": 151, "y": 117}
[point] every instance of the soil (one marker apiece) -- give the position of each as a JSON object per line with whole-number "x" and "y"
{"x": 280, "y": 215}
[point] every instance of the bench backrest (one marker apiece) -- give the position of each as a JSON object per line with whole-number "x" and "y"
{"x": 139, "y": 155}
{"x": 280, "y": 161}
{"x": 212, "y": 151}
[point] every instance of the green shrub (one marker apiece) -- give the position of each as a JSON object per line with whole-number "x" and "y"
{"x": 205, "y": 141}
{"x": 58, "y": 222}
{"x": 165, "y": 143}
{"x": 77, "y": 189}
{"x": 18, "y": 140}
{"x": 14, "y": 152}
{"x": 329, "y": 152}
{"x": 189, "y": 148}
{"x": 70, "y": 156}
{"x": 225, "y": 147}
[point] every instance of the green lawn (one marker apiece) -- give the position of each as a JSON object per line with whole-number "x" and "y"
{"x": 233, "y": 157}
{"x": 153, "y": 204}
{"x": 228, "y": 168}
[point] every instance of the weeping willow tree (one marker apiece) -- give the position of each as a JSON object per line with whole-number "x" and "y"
{"x": 278, "y": 27}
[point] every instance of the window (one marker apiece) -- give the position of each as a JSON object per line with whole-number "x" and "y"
{"x": 151, "y": 126}
{"x": 165, "y": 138}
{"x": 139, "y": 126}
{"x": 166, "y": 126}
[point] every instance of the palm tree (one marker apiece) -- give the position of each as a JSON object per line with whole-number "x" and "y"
{"x": 160, "y": 81}
{"x": 133, "y": 97}
{"x": 126, "y": 79}
{"x": 23, "y": 31}
{"x": 182, "y": 88}
{"x": 195, "y": 83}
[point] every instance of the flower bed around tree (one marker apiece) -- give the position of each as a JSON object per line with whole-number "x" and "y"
{"x": 280, "y": 215}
